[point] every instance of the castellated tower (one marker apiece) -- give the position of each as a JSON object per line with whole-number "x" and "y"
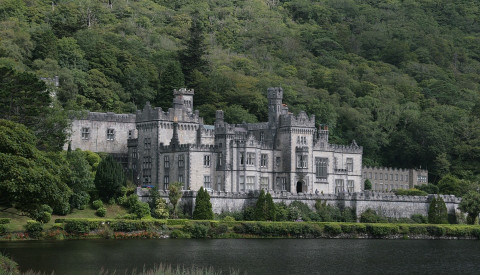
{"x": 275, "y": 96}
{"x": 183, "y": 98}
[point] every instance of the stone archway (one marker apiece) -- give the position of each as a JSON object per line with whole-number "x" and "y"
{"x": 300, "y": 187}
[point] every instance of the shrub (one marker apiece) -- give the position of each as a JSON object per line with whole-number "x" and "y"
{"x": 97, "y": 204}
{"x": 3, "y": 229}
{"x": 333, "y": 229}
{"x": 370, "y": 216}
{"x": 418, "y": 218}
{"x": 203, "y": 206}
{"x": 4, "y": 220}
{"x": 218, "y": 230}
{"x": 418, "y": 229}
{"x": 437, "y": 231}
{"x": 437, "y": 211}
{"x": 367, "y": 185}
{"x": 428, "y": 188}
{"x": 141, "y": 209}
{"x": 410, "y": 192}
{"x": 199, "y": 231}
{"x": 80, "y": 226}
{"x": 179, "y": 234}
{"x": 228, "y": 219}
{"x": 101, "y": 212}
{"x": 380, "y": 230}
{"x": 34, "y": 229}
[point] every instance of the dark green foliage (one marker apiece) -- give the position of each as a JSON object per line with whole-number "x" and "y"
{"x": 381, "y": 230}
{"x": 367, "y": 185}
{"x": 264, "y": 208}
{"x": 370, "y": 216}
{"x": 30, "y": 178}
{"x": 428, "y": 188}
{"x": 171, "y": 79}
{"x": 437, "y": 211}
{"x": 96, "y": 204}
{"x": 140, "y": 209}
{"x": 333, "y": 229}
{"x": 203, "y": 206}
{"x": 329, "y": 213}
{"x": 471, "y": 204}
{"x": 34, "y": 229}
{"x": 4, "y": 220}
{"x": 80, "y": 178}
{"x": 174, "y": 195}
{"x": 417, "y": 218}
{"x": 101, "y": 212}
{"x": 109, "y": 179}
{"x": 410, "y": 192}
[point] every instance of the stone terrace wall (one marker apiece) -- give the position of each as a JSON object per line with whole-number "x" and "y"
{"x": 388, "y": 205}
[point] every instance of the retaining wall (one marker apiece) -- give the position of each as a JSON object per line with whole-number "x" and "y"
{"x": 385, "y": 204}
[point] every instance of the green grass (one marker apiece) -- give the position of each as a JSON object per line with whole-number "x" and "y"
{"x": 17, "y": 222}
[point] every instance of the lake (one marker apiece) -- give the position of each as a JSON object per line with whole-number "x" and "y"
{"x": 253, "y": 256}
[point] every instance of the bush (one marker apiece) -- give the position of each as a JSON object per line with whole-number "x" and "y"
{"x": 4, "y": 220}
{"x": 437, "y": 211}
{"x": 418, "y": 229}
{"x": 8, "y": 266}
{"x": 218, "y": 230}
{"x": 203, "y": 206}
{"x": 228, "y": 219}
{"x": 428, "y": 188}
{"x": 3, "y": 229}
{"x": 418, "y": 218}
{"x": 179, "y": 234}
{"x": 410, "y": 192}
{"x": 97, "y": 204}
{"x": 437, "y": 231}
{"x": 141, "y": 209}
{"x": 101, "y": 212}
{"x": 80, "y": 226}
{"x": 367, "y": 185}
{"x": 199, "y": 231}
{"x": 370, "y": 216}
{"x": 34, "y": 229}
{"x": 333, "y": 229}
{"x": 380, "y": 230}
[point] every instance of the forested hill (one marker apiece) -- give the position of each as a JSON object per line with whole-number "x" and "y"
{"x": 402, "y": 78}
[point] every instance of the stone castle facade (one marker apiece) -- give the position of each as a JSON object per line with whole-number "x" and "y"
{"x": 286, "y": 153}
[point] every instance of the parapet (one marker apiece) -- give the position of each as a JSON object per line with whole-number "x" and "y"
{"x": 110, "y": 117}
{"x": 302, "y": 120}
{"x": 354, "y": 149}
{"x": 151, "y": 114}
{"x": 275, "y": 92}
{"x": 183, "y": 91}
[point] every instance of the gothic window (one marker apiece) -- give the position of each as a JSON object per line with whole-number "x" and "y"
{"x": 396, "y": 177}
{"x": 391, "y": 177}
{"x": 206, "y": 160}
{"x": 277, "y": 161}
{"x": 381, "y": 176}
{"x": 85, "y": 133}
{"x": 386, "y": 176}
{"x": 321, "y": 167}
{"x": 242, "y": 158}
{"x": 374, "y": 176}
{"x": 282, "y": 183}
{"x": 166, "y": 161}
{"x": 219, "y": 183}
{"x": 241, "y": 183}
{"x": 110, "y": 134}
{"x": 370, "y": 175}
{"x": 147, "y": 142}
{"x": 406, "y": 177}
{"x": 263, "y": 160}
{"x": 180, "y": 178}
{"x": 264, "y": 183}
{"x": 302, "y": 161}
{"x": 219, "y": 159}
{"x": 401, "y": 177}
{"x": 207, "y": 183}
{"x": 364, "y": 175}
{"x": 250, "y": 183}
{"x": 134, "y": 153}
{"x": 350, "y": 166}
{"x": 339, "y": 186}
{"x": 181, "y": 161}
{"x": 250, "y": 158}
{"x": 350, "y": 185}
{"x": 262, "y": 136}
{"x": 166, "y": 180}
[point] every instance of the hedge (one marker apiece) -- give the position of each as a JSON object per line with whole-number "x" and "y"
{"x": 4, "y": 220}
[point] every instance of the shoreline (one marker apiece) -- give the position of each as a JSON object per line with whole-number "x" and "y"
{"x": 78, "y": 229}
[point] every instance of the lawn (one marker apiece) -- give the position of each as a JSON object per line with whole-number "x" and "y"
{"x": 17, "y": 222}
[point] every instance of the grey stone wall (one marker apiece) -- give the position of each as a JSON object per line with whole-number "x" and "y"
{"x": 388, "y": 205}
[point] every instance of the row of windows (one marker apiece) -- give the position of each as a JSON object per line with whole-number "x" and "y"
{"x": 381, "y": 176}
{"x": 389, "y": 187}
{"x": 251, "y": 157}
{"x": 166, "y": 181}
{"x": 110, "y": 134}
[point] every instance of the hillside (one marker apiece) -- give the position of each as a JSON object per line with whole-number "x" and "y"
{"x": 402, "y": 78}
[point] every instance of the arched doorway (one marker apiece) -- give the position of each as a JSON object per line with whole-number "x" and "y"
{"x": 299, "y": 187}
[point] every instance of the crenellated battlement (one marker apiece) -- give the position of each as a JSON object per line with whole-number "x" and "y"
{"x": 300, "y": 120}
{"x": 187, "y": 147}
{"x": 184, "y": 91}
{"x": 344, "y": 148}
{"x": 157, "y": 114}
{"x": 110, "y": 117}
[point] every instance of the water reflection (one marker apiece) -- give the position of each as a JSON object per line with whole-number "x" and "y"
{"x": 258, "y": 256}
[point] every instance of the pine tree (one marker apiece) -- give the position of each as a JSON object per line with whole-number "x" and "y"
{"x": 203, "y": 206}
{"x": 109, "y": 179}
{"x": 259, "y": 213}
{"x": 437, "y": 211}
{"x": 191, "y": 57}
{"x": 270, "y": 208}
{"x": 172, "y": 78}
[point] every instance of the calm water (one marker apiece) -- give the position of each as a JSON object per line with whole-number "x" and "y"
{"x": 251, "y": 256}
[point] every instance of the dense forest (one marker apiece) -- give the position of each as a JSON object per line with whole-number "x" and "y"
{"x": 401, "y": 77}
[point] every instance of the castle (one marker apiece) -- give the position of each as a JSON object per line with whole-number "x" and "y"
{"x": 287, "y": 153}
